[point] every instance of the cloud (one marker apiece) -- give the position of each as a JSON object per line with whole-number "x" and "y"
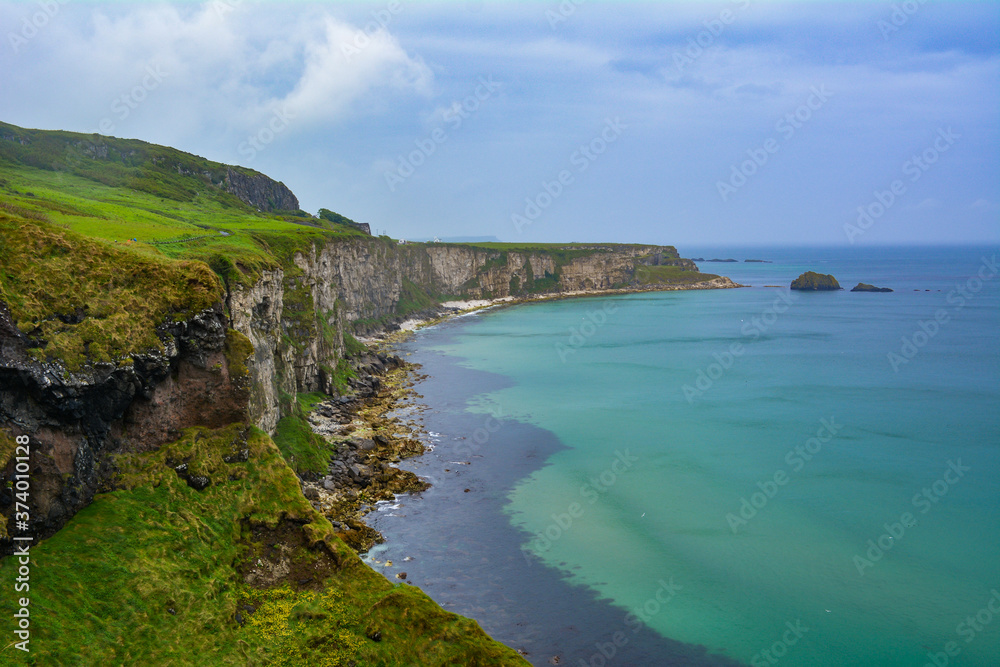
{"x": 226, "y": 69}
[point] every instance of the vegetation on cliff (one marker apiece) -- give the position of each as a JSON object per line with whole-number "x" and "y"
{"x": 82, "y": 300}
{"x": 243, "y": 572}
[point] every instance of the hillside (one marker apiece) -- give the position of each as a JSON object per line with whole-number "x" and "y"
{"x": 164, "y": 322}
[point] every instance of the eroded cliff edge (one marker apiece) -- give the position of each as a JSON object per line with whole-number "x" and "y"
{"x": 296, "y": 318}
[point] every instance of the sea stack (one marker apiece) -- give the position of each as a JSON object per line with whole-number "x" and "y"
{"x": 865, "y": 287}
{"x": 815, "y": 282}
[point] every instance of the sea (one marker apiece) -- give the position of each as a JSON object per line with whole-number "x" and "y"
{"x": 752, "y": 476}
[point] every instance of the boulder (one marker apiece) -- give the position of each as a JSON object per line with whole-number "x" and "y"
{"x": 816, "y": 282}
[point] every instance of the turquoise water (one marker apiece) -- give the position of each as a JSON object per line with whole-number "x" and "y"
{"x": 729, "y": 454}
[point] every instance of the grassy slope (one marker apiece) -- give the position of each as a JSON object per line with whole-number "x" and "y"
{"x": 155, "y": 573}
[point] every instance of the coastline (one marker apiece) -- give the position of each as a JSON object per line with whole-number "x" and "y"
{"x": 370, "y": 442}
{"x": 455, "y": 543}
{"x": 449, "y": 309}
{"x": 383, "y": 424}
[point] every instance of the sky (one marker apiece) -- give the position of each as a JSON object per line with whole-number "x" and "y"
{"x": 739, "y": 123}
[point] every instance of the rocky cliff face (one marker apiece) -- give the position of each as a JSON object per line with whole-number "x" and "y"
{"x": 295, "y": 318}
{"x": 260, "y": 191}
{"x": 77, "y": 420}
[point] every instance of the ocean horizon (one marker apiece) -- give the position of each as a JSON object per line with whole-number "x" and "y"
{"x": 745, "y": 476}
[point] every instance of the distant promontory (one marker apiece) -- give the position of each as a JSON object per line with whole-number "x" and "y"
{"x": 816, "y": 282}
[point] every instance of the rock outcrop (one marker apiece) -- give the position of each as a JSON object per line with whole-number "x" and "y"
{"x": 77, "y": 420}
{"x": 865, "y": 287}
{"x": 260, "y": 191}
{"x": 816, "y": 282}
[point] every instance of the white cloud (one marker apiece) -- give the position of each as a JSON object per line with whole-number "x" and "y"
{"x": 227, "y": 70}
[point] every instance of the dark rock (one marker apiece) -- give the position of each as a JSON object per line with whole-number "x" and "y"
{"x": 241, "y": 456}
{"x": 381, "y": 440}
{"x": 198, "y": 483}
{"x": 865, "y": 287}
{"x": 816, "y": 282}
{"x": 260, "y": 191}
{"x": 375, "y": 636}
{"x": 311, "y": 493}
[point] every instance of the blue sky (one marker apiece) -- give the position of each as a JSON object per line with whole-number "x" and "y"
{"x": 740, "y": 122}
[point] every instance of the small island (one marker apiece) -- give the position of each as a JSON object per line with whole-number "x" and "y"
{"x": 759, "y": 261}
{"x": 816, "y": 282}
{"x": 865, "y": 287}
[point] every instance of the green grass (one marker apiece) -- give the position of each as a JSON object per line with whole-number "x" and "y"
{"x": 352, "y": 346}
{"x": 155, "y": 573}
{"x": 235, "y": 240}
{"x": 84, "y": 299}
{"x": 669, "y": 275}
{"x": 303, "y": 450}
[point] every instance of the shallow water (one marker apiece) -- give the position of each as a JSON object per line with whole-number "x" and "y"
{"x": 703, "y": 471}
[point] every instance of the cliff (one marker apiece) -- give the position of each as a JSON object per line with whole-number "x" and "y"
{"x": 149, "y": 377}
{"x": 260, "y": 191}
{"x": 297, "y": 317}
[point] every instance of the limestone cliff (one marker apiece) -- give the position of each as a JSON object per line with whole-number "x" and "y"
{"x": 295, "y": 317}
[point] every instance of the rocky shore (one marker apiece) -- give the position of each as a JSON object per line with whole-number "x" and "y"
{"x": 368, "y": 441}
{"x": 366, "y": 446}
